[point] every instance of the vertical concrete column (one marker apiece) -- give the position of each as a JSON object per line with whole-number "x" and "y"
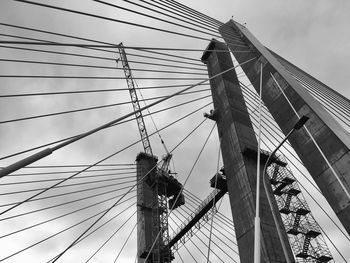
{"x": 237, "y": 139}
{"x": 332, "y": 138}
{"x": 146, "y": 198}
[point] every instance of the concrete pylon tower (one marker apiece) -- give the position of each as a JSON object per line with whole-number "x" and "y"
{"x": 146, "y": 198}
{"x": 239, "y": 151}
{"x": 326, "y": 153}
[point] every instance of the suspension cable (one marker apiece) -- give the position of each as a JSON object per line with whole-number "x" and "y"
{"x": 213, "y": 207}
{"x": 61, "y": 140}
{"x": 124, "y": 244}
{"x": 60, "y": 232}
{"x": 30, "y": 198}
{"x": 111, "y": 236}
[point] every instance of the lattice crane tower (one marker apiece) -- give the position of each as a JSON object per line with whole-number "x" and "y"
{"x": 156, "y": 191}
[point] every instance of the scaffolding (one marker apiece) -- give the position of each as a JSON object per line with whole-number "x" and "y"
{"x": 304, "y": 233}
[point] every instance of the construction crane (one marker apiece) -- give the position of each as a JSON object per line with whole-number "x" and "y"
{"x": 134, "y": 100}
{"x": 168, "y": 190}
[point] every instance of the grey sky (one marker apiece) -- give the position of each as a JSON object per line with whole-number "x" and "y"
{"x": 312, "y": 34}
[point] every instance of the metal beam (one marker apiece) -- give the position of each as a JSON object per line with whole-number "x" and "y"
{"x": 215, "y": 198}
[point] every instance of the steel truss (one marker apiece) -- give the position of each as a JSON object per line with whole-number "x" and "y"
{"x": 304, "y": 233}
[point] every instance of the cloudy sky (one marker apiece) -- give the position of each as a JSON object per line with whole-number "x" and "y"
{"x": 311, "y": 34}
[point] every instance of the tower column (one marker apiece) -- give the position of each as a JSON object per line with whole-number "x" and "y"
{"x": 146, "y": 198}
{"x": 239, "y": 151}
{"x": 331, "y": 137}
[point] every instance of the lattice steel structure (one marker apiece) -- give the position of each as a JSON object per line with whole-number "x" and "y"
{"x": 160, "y": 253}
{"x": 201, "y": 214}
{"x": 155, "y": 190}
{"x": 134, "y": 100}
{"x": 304, "y": 233}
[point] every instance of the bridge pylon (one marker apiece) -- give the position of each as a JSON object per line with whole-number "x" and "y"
{"x": 238, "y": 140}
{"x": 324, "y": 146}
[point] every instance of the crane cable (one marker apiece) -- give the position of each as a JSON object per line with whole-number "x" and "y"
{"x": 150, "y": 114}
{"x": 152, "y": 119}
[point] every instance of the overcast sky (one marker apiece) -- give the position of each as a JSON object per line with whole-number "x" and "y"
{"x": 314, "y": 35}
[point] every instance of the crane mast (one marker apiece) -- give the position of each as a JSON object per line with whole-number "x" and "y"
{"x": 134, "y": 100}
{"x": 167, "y": 191}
